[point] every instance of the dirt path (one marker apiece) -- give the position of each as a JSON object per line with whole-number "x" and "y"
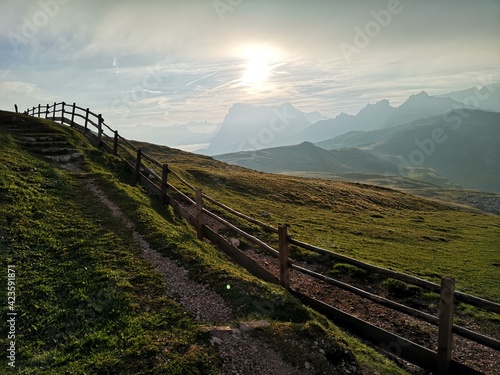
{"x": 241, "y": 353}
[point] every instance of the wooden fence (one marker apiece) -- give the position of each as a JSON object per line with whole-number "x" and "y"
{"x": 154, "y": 176}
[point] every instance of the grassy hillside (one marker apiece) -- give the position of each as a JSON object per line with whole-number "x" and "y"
{"x": 374, "y": 224}
{"x": 89, "y": 304}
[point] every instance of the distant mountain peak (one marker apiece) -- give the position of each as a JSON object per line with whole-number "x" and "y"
{"x": 250, "y": 126}
{"x": 381, "y": 105}
{"x": 417, "y": 98}
{"x": 307, "y": 144}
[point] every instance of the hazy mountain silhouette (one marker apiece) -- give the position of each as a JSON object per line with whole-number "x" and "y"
{"x": 372, "y": 116}
{"x": 249, "y": 127}
{"x": 441, "y": 138}
{"x": 306, "y": 157}
{"x": 461, "y": 145}
{"x": 420, "y": 106}
{"x": 487, "y": 97}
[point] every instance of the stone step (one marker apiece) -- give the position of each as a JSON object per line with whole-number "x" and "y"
{"x": 32, "y": 138}
{"x": 56, "y": 151}
{"x": 19, "y": 130}
{"x": 46, "y": 144}
{"x": 69, "y": 158}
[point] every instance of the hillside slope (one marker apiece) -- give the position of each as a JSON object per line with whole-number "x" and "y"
{"x": 463, "y": 146}
{"x": 89, "y": 301}
{"x": 308, "y": 157}
{"x": 374, "y": 224}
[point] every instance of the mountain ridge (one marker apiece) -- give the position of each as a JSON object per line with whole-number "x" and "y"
{"x": 461, "y": 147}
{"x": 247, "y": 127}
{"x": 308, "y": 157}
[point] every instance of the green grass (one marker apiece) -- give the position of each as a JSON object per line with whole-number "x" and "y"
{"x": 89, "y": 303}
{"x": 373, "y": 224}
{"x": 249, "y": 297}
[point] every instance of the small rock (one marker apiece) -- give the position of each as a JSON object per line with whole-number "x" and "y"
{"x": 249, "y": 326}
{"x": 307, "y": 365}
{"x": 220, "y": 332}
{"x": 236, "y": 331}
{"x": 235, "y": 242}
{"x": 215, "y": 341}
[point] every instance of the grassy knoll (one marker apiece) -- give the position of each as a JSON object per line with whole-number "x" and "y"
{"x": 89, "y": 304}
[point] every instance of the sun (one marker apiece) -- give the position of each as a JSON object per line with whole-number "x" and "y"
{"x": 256, "y": 73}
{"x": 258, "y": 66}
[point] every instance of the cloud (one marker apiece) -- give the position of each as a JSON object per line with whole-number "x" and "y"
{"x": 166, "y": 62}
{"x": 16, "y": 92}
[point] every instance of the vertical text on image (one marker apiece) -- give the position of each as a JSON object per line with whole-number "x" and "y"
{"x": 11, "y": 315}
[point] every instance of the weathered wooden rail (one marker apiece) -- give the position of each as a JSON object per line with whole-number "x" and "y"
{"x": 153, "y": 175}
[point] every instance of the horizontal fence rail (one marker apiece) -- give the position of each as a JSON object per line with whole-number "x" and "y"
{"x": 153, "y": 175}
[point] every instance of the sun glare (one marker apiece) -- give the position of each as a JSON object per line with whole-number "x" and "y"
{"x": 256, "y": 73}
{"x": 257, "y": 69}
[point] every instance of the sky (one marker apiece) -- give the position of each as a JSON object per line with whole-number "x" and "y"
{"x": 169, "y": 62}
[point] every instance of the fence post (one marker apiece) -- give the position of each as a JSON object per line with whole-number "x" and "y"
{"x": 62, "y": 113}
{"x": 33, "y": 112}
{"x": 115, "y": 143}
{"x": 54, "y": 112}
{"x": 446, "y": 308}
{"x": 99, "y": 129}
{"x": 39, "y": 110}
{"x": 15, "y": 106}
{"x": 164, "y": 185}
{"x": 283, "y": 250}
{"x": 138, "y": 165}
{"x": 199, "y": 214}
{"x": 47, "y": 111}
{"x": 86, "y": 121}
{"x": 73, "y": 115}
